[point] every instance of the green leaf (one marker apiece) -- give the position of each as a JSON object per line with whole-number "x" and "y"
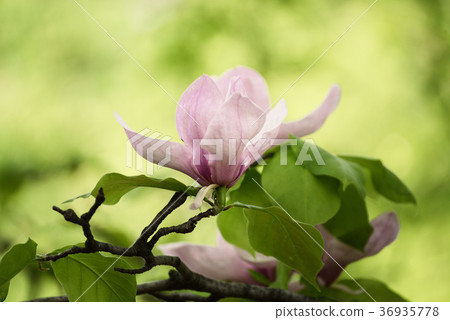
{"x": 307, "y": 198}
{"x": 116, "y": 185}
{"x": 384, "y": 181}
{"x": 233, "y": 222}
{"x": 4, "y": 291}
{"x": 349, "y": 291}
{"x": 232, "y": 225}
{"x": 333, "y": 166}
{"x": 14, "y": 261}
{"x": 351, "y": 224}
{"x": 273, "y": 232}
{"x": 91, "y": 277}
{"x": 283, "y": 276}
{"x": 84, "y": 196}
{"x": 259, "y": 277}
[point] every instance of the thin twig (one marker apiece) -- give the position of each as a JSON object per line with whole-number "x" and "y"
{"x": 185, "y": 227}
{"x": 181, "y": 277}
{"x": 176, "y": 201}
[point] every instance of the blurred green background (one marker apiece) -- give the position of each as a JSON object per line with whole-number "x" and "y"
{"x": 61, "y": 78}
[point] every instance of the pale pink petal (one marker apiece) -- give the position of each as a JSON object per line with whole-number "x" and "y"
{"x": 162, "y": 152}
{"x": 197, "y": 106}
{"x": 315, "y": 119}
{"x": 264, "y": 139}
{"x": 296, "y": 286}
{"x": 239, "y": 118}
{"x": 263, "y": 264}
{"x": 254, "y": 83}
{"x": 385, "y": 231}
{"x": 236, "y": 85}
{"x": 205, "y": 192}
{"x": 272, "y": 123}
{"x": 221, "y": 263}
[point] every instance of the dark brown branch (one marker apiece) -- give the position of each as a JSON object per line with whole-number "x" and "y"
{"x": 84, "y": 220}
{"x": 179, "y": 297}
{"x": 73, "y": 250}
{"x": 177, "y": 200}
{"x": 51, "y": 299}
{"x": 145, "y": 249}
{"x": 184, "y": 278}
{"x": 139, "y": 248}
{"x": 145, "y": 268}
{"x": 186, "y": 227}
{"x": 217, "y": 290}
{"x": 96, "y": 246}
{"x": 181, "y": 277}
{"x": 159, "y": 285}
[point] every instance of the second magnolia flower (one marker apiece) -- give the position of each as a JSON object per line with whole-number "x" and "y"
{"x": 233, "y": 109}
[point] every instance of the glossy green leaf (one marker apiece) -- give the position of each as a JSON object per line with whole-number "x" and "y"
{"x": 14, "y": 261}
{"x": 351, "y": 224}
{"x": 232, "y": 225}
{"x": 305, "y": 196}
{"x": 347, "y": 173}
{"x": 233, "y": 222}
{"x": 273, "y": 232}
{"x": 91, "y": 277}
{"x": 116, "y": 185}
{"x": 349, "y": 291}
{"x": 384, "y": 181}
{"x": 83, "y": 196}
{"x": 4, "y": 291}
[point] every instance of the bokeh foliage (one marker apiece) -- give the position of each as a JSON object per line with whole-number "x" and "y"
{"x": 61, "y": 77}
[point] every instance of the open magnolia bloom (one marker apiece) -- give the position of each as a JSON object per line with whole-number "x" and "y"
{"x": 226, "y": 124}
{"x": 226, "y": 262}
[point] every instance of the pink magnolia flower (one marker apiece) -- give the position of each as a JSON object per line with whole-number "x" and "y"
{"x": 226, "y": 262}
{"x": 226, "y": 123}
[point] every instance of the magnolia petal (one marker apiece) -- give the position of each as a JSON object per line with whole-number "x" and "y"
{"x": 162, "y": 152}
{"x": 255, "y": 85}
{"x": 236, "y": 85}
{"x": 197, "y": 106}
{"x": 204, "y": 192}
{"x": 263, "y": 264}
{"x": 385, "y": 231}
{"x": 220, "y": 263}
{"x": 315, "y": 119}
{"x": 264, "y": 139}
{"x": 296, "y": 286}
{"x": 254, "y": 148}
{"x": 225, "y": 143}
{"x": 272, "y": 123}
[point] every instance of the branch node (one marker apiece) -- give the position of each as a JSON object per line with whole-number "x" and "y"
{"x": 68, "y": 215}
{"x": 181, "y": 277}
{"x": 175, "y": 276}
{"x": 99, "y": 199}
